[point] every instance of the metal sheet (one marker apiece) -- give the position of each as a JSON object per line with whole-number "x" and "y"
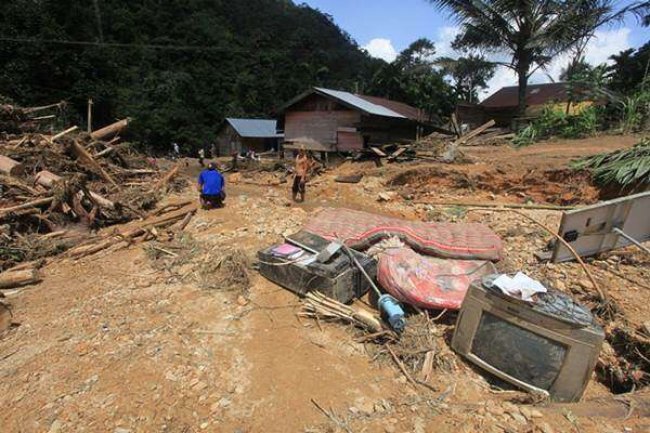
{"x": 592, "y": 226}
{"x": 254, "y": 128}
{"x": 360, "y": 103}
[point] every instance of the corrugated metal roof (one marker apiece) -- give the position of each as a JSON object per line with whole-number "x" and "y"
{"x": 254, "y": 128}
{"x": 360, "y": 103}
{"x": 399, "y": 107}
{"x": 536, "y": 94}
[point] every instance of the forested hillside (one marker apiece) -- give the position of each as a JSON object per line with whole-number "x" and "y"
{"x": 177, "y": 67}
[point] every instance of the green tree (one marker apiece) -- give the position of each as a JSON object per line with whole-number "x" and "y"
{"x": 630, "y": 69}
{"x": 177, "y": 67}
{"x": 532, "y": 33}
{"x": 470, "y": 74}
{"x": 411, "y": 78}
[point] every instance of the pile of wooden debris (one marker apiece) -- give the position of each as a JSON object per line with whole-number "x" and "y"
{"x": 442, "y": 146}
{"x": 58, "y": 189}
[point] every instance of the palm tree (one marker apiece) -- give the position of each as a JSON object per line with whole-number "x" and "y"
{"x": 531, "y": 32}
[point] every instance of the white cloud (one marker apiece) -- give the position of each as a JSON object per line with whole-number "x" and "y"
{"x": 382, "y": 49}
{"x": 446, "y": 36}
{"x": 600, "y": 47}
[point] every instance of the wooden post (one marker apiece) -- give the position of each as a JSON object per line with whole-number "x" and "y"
{"x": 90, "y": 115}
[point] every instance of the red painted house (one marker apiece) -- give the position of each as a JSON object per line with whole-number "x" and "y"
{"x": 334, "y": 121}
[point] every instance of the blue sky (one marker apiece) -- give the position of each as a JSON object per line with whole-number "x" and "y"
{"x": 385, "y": 27}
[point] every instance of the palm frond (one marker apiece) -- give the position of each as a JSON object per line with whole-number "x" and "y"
{"x": 627, "y": 168}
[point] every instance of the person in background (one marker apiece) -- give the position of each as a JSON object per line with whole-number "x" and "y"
{"x": 303, "y": 165}
{"x": 211, "y": 187}
{"x": 176, "y": 150}
{"x": 202, "y": 157}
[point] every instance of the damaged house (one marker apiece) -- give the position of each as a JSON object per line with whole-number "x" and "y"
{"x": 502, "y": 105}
{"x": 331, "y": 121}
{"x": 241, "y": 135}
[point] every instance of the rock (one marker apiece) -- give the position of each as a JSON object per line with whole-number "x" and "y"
{"x": 585, "y": 284}
{"x": 496, "y": 410}
{"x": 646, "y": 327}
{"x": 353, "y": 410}
{"x": 386, "y": 196}
{"x": 204, "y": 425}
{"x": 526, "y": 412}
{"x": 546, "y": 428}
{"x": 224, "y": 402}
{"x": 366, "y": 407}
{"x": 56, "y": 426}
{"x": 200, "y": 386}
{"x": 390, "y": 429}
{"x": 518, "y": 417}
{"x": 242, "y": 301}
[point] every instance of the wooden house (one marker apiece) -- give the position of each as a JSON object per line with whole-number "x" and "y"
{"x": 502, "y": 105}
{"x": 241, "y": 135}
{"x": 331, "y": 121}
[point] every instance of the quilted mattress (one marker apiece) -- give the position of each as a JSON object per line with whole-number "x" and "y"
{"x": 428, "y": 282}
{"x": 360, "y": 230}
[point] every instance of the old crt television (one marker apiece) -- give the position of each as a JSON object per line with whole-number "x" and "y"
{"x": 548, "y": 347}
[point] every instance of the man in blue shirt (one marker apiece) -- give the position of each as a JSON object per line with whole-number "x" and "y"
{"x": 211, "y": 187}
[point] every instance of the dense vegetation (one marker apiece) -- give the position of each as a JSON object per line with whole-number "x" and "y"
{"x": 177, "y": 67}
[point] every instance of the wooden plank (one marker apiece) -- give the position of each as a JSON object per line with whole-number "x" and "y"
{"x": 470, "y": 135}
{"x": 378, "y": 152}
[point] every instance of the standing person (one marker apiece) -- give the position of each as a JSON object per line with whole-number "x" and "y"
{"x": 303, "y": 164}
{"x": 202, "y": 157}
{"x": 176, "y": 150}
{"x": 211, "y": 186}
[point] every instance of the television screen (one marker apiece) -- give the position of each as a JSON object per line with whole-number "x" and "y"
{"x": 518, "y": 352}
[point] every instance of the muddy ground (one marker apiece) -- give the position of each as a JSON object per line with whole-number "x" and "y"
{"x": 115, "y": 343}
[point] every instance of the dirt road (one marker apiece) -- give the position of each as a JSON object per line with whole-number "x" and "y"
{"x": 110, "y": 344}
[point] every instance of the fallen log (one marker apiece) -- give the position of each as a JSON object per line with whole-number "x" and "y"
{"x": 48, "y": 179}
{"x": 161, "y": 185}
{"x": 12, "y": 181}
{"x": 11, "y": 280}
{"x": 28, "y": 205}
{"x": 110, "y": 130}
{"x": 10, "y": 166}
{"x": 83, "y": 155}
{"x": 129, "y": 234}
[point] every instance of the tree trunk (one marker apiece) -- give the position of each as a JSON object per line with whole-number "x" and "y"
{"x": 10, "y": 280}
{"x": 110, "y": 130}
{"x": 10, "y": 167}
{"x": 47, "y": 179}
{"x": 522, "y": 73}
{"x": 84, "y": 156}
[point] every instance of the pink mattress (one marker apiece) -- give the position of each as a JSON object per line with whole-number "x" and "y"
{"x": 361, "y": 230}
{"x": 428, "y": 282}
